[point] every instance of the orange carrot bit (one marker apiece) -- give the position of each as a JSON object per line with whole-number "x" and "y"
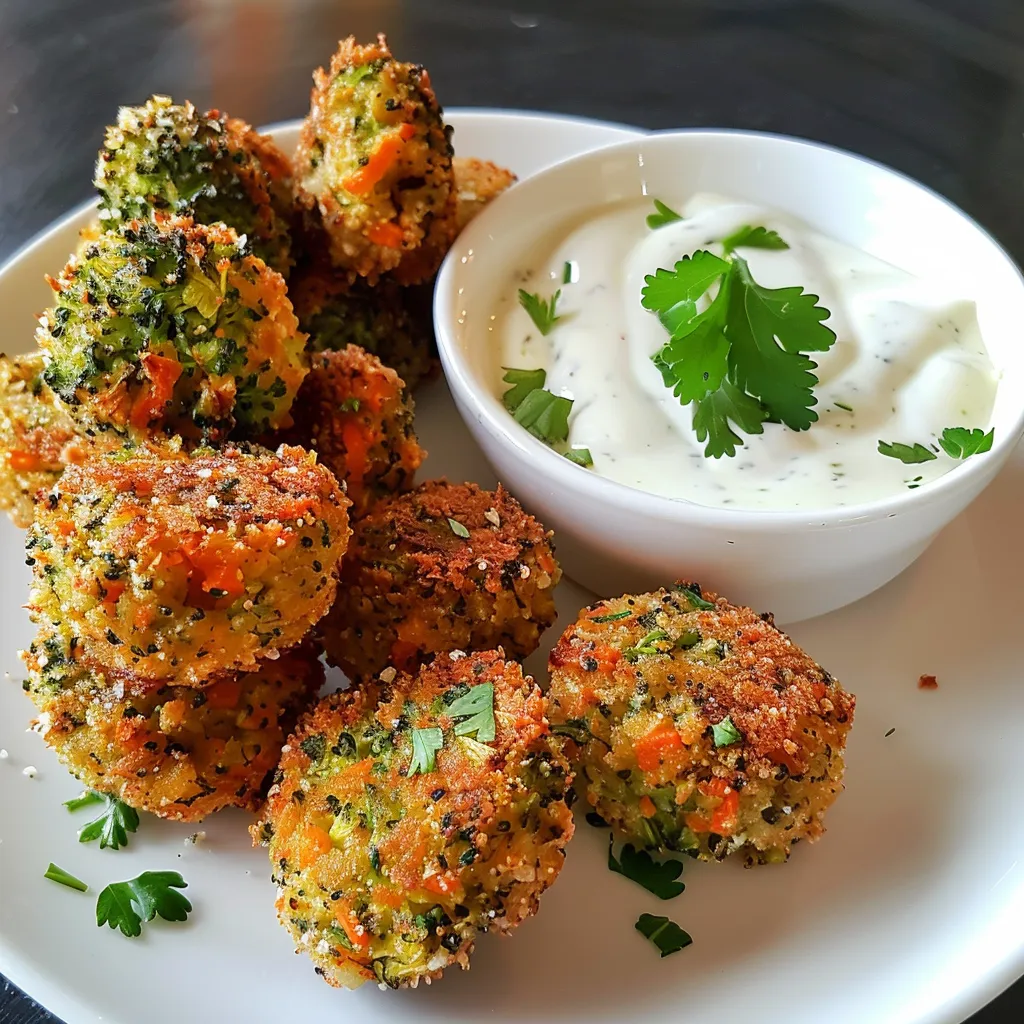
{"x": 22, "y": 461}
{"x": 345, "y": 916}
{"x": 725, "y": 818}
{"x": 315, "y": 843}
{"x": 386, "y": 234}
{"x": 606, "y": 656}
{"x": 442, "y": 884}
{"x": 163, "y": 374}
{"x": 650, "y": 750}
{"x": 381, "y": 160}
{"x": 647, "y": 808}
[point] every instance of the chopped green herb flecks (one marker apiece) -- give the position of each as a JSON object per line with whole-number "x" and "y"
{"x": 753, "y": 238}
{"x": 580, "y": 456}
{"x": 665, "y": 934}
{"x": 570, "y": 272}
{"x": 425, "y": 745}
{"x": 458, "y": 529}
{"x": 56, "y": 874}
{"x": 908, "y": 454}
{"x": 663, "y": 215}
{"x": 695, "y": 596}
{"x": 647, "y": 647}
{"x": 523, "y": 382}
{"x": 475, "y": 708}
{"x": 639, "y": 866}
{"x": 962, "y": 443}
{"x": 545, "y": 415}
{"x": 86, "y": 799}
{"x": 612, "y": 616}
{"x": 541, "y": 311}
{"x": 725, "y": 734}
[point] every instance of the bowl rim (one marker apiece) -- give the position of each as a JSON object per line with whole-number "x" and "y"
{"x": 495, "y": 419}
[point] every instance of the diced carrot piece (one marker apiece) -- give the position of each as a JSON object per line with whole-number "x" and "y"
{"x": 647, "y": 808}
{"x": 606, "y": 656}
{"x": 442, "y": 884}
{"x": 315, "y": 843}
{"x": 650, "y": 750}
{"x": 22, "y": 461}
{"x": 725, "y": 818}
{"x": 344, "y": 915}
{"x": 380, "y": 161}
{"x": 163, "y": 374}
{"x": 387, "y": 234}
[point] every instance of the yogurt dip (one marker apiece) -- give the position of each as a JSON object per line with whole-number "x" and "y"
{"x": 909, "y": 361}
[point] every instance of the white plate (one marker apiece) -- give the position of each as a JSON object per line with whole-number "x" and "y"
{"x": 907, "y": 912}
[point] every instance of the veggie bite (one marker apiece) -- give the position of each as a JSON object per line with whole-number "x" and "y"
{"x": 699, "y": 726}
{"x": 172, "y": 567}
{"x": 443, "y": 568}
{"x": 169, "y": 326}
{"x": 168, "y": 157}
{"x": 37, "y": 437}
{"x": 357, "y": 415}
{"x": 376, "y": 158}
{"x": 175, "y": 751}
{"x": 405, "y": 821}
{"x": 477, "y": 182}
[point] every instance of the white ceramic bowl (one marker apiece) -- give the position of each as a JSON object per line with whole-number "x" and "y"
{"x": 613, "y": 538}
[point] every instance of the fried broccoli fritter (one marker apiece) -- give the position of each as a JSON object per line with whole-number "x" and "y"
{"x": 171, "y": 567}
{"x": 385, "y": 319}
{"x": 406, "y": 820}
{"x": 175, "y": 751}
{"x": 700, "y": 727}
{"x": 37, "y": 437}
{"x": 445, "y": 567}
{"x": 477, "y": 182}
{"x": 357, "y": 415}
{"x": 168, "y": 157}
{"x": 169, "y": 326}
{"x": 376, "y": 158}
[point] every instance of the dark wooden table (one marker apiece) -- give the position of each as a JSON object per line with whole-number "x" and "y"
{"x": 932, "y": 87}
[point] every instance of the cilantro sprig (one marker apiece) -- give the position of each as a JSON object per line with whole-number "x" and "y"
{"x": 475, "y": 708}
{"x": 640, "y": 867}
{"x": 126, "y": 905}
{"x": 742, "y": 359}
{"x": 665, "y": 934}
{"x": 112, "y": 825}
{"x": 753, "y": 238}
{"x": 543, "y": 413}
{"x": 957, "y": 442}
{"x": 425, "y": 745}
{"x": 908, "y": 454}
{"x": 541, "y": 311}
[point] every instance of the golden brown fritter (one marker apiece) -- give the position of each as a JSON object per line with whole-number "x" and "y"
{"x": 376, "y": 159}
{"x": 357, "y": 415}
{"x": 445, "y": 567}
{"x": 175, "y": 751}
{"x": 391, "y": 322}
{"x": 407, "y": 820}
{"x": 477, "y": 182}
{"x": 700, "y": 727}
{"x": 37, "y": 437}
{"x": 173, "y": 567}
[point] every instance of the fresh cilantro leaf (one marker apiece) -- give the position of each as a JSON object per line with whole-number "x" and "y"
{"x": 350, "y": 404}
{"x": 425, "y": 745}
{"x": 725, "y": 734}
{"x": 664, "y": 215}
{"x": 56, "y": 874}
{"x": 523, "y": 382}
{"x": 476, "y": 709}
{"x": 112, "y": 825}
{"x": 126, "y": 905}
{"x": 580, "y": 456}
{"x": 962, "y": 443}
{"x": 687, "y": 639}
{"x": 672, "y": 294}
{"x": 640, "y": 867}
{"x": 694, "y": 364}
{"x": 87, "y": 798}
{"x": 713, "y": 415}
{"x": 457, "y": 528}
{"x": 908, "y": 454}
{"x": 541, "y": 311}
{"x": 695, "y": 596}
{"x": 753, "y": 238}
{"x": 612, "y": 616}
{"x": 545, "y": 415}
{"x": 646, "y": 647}
{"x": 665, "y": 934}
{"x": 770, "y": 329}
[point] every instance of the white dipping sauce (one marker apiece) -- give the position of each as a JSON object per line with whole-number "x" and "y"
{"x": 909, "y": 361}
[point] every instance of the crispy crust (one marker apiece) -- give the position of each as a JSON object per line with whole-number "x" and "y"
{"x": 477, "y": 182}
{"x": 413, "y": 587}
{"x": 644, "y": 693}
{"x": 368, "y": 99}
{"x": 175, "y": 751}
{"x": 356, "y": 414}
{"x": 390, "y": 875}
{"x": 174, "y": 568}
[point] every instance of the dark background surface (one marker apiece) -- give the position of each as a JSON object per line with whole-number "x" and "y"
{"x": 934, "y": 88}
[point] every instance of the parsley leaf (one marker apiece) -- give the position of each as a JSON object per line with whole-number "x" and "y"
{"x": 580, "y": 456}
{"x": 56, "y": 874}
{"x": 665, "y": 934}
{"x": 725, "y": 734}
{"x": 713, "y": 415}
{"x": 694, "y": 364}
{"x": 753, "y": 238}
{"x": 425, "y": 745}
{"x": 457, "y": 528}
{"x": 545, "y": 415}
{"x": 523, "y": 382}
{"x": 87, "y": 797}
{"x": 664, "y": 215}
{"x": 770, "y": 329}
{"x": 962, "y": 443}
{"x": 646, "y": 647}
{"x": 112, "y": 825}
{"x": 476, "y": 708}
{"x": 541, "y": 311}
{"x": 640, "y": 867}
{"x": 907, "y": 454}
{"x": 126, "y": 905}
